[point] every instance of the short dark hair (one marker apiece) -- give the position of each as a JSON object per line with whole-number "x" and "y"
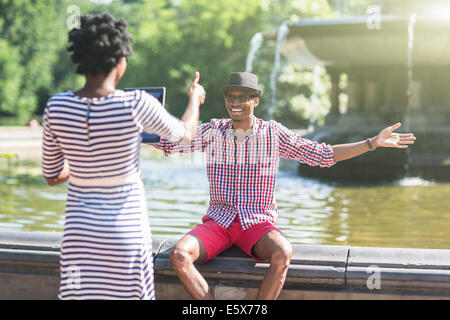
{"x": 99, "y": 43}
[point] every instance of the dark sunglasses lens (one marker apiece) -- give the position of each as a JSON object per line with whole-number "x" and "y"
{"x": 241, "y": 98}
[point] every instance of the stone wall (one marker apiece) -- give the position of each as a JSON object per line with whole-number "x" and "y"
{"x": 29, "y": 269}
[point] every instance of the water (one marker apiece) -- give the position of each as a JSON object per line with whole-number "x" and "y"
{"x": 281, "y": 37}
{"x": 409, "y": 213}
{"x": 255, "y": 43}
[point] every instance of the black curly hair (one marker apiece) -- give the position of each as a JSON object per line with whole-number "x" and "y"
{"x": 99, "y": 43}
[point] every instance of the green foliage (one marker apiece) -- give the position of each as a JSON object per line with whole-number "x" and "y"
{"x": 14, "y": 170}
{"x": 280, "y": 11}
{"x": 11, "y": 73}
{"x": 30, "y": 27}
{"x": 172, "y": 39}
{"x": 359, "y": 7}
{"x": 305, "y": 96}
{"x": 7, "y": 163}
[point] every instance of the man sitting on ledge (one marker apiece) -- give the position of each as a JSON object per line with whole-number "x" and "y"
{"x": 242, "y": 156}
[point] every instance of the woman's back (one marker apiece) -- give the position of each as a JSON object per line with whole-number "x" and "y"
{"x": 100, "y": 137}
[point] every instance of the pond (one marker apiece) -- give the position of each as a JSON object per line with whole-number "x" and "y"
{"x": 409, "y": 213}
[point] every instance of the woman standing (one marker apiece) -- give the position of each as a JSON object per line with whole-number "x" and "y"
{"x": 92, "y": 139}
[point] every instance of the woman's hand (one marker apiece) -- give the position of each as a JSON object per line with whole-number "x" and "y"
{"x": 387, "y": 138}
{"x": 62, "y": 177}
{"x": 196, "y": 90}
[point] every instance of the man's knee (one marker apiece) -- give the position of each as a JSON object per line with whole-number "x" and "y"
{"x": 185, "y": 252}
{"x": 179, "y": 256}
{"x": 282, "y": 255}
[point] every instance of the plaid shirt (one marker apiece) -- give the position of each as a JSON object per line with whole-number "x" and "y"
{"x": 242, "y": 167}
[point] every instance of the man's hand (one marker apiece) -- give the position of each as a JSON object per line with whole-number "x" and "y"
{"x": 387, "y": 138}
{"x": 190, "y": 118}
{"x": 196, "y": 90}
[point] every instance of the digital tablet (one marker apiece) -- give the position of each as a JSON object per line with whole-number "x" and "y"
{"x": 160, "y": 94}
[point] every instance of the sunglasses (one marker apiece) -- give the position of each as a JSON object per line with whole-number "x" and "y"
{"x": 242, "y": 98}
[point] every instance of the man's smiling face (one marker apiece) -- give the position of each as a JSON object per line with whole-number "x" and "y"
{"x": 240, "y": 104}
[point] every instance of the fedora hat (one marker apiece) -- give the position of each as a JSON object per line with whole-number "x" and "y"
{"x": 243, "y": 80}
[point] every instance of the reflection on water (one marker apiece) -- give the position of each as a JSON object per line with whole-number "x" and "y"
{"x": 409, "y": 213}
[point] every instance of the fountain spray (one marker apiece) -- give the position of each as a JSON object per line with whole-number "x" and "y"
{"x": 407, "y": 119}
{"x": 281, "y": 37}
{"x": 255, "y": 43}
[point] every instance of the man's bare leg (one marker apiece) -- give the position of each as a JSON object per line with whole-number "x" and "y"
{"x": 276, "y": 249}
{"x": 188, "y": 250}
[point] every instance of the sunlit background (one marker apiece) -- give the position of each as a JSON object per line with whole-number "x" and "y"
{"x": 328, "y": 95}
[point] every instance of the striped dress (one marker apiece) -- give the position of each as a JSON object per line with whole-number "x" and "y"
{"x": 106, "y": 250}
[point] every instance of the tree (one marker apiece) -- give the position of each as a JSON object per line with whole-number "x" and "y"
{"x": 11, "y": 73}
{"x": 29, "y": 26}
{"x": 174, "y": 40}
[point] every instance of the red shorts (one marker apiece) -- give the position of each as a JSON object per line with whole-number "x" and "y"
{"x": 217, "y": 239}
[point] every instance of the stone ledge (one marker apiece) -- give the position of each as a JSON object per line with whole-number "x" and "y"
{"x": 29, "y": 269}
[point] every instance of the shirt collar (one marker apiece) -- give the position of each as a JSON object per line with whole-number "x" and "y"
{"x": 256, "y": 124}
{"x": 231, "y": 134}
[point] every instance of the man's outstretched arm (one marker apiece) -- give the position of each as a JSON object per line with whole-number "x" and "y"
{"x": 386, "y": 138}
